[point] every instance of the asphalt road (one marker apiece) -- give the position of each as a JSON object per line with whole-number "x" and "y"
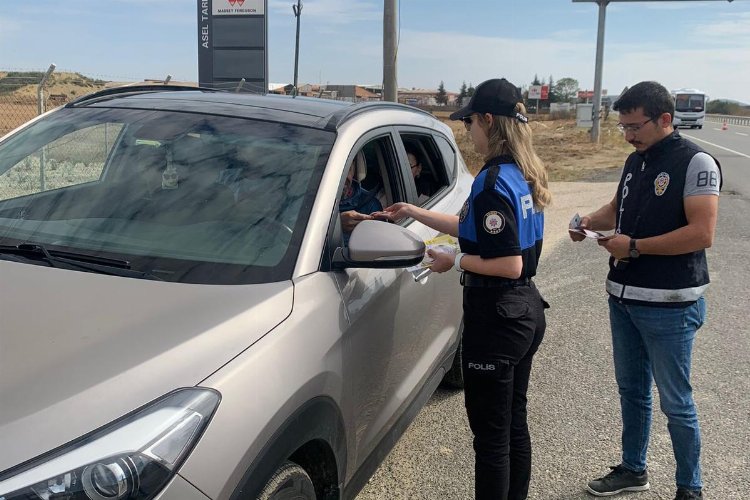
{"x": 573, "y": 402}
{"x": 731, "y": 147}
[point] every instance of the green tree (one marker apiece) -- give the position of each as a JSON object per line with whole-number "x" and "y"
{"x": 462, "y": 94}
{"x": 721, "y": 107}
{"x": 442, "y": 96}
{"x": 553, "y": 97}
{"x": 536, "y": 80}
{"x": 470, "y": 90}
{"x": 566, "y": 88}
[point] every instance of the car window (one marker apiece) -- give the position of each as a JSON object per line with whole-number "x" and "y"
{"x": 373, "y": 168}
{"x": 74, "y": 158}
{"x": 371, "y": 180}
{"x": 188, "y": 197}
{"x": 450, "y": 158}
{"x": 428, "y": 164}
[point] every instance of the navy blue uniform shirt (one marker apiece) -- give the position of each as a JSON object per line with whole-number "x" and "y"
{"x": 499, "y": 218}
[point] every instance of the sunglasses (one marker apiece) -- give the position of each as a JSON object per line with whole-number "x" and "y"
{"x": 467, "y": 121}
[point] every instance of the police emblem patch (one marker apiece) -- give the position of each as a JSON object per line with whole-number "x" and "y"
{"x": 660, "y": 183}
{"x": 494, "y": 222}
{"x": 464, "y": 211}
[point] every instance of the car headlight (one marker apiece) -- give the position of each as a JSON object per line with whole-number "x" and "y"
{"x": 131, "y": 458}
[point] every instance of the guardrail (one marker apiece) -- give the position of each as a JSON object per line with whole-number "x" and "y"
{"x": 729, "y": 119}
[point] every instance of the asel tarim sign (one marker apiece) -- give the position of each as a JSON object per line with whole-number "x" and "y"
{"x": 232, "y": 44}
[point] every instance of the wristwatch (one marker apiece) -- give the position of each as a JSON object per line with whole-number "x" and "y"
{"x": 457, "y": 261}
{"x": 634, "y": 253}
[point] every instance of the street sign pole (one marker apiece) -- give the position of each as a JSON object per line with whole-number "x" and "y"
{"x": 598, "y": 71}
{"x": 600, "y": 56}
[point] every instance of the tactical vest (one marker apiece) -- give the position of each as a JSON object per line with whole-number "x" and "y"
{"x": 649, "y": 203}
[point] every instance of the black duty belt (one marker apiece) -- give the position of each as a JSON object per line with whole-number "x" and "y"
{"x": 478, "y": 280}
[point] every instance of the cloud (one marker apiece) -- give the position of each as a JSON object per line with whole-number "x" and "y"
{"x": 732, "y": 29}
{"x": 674, "y": 6}
{"x": 333, "y": 12}
{"x": 171, "y": 3}
{"x": 9, "y": 27}
{"x": 705, "y": 69}
{"x": 457, "y": 57}
{"x": 427, "y": 58}
{"x": 570, "y": 34}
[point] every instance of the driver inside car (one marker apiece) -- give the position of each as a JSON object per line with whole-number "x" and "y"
{"x": 356, "y": 202}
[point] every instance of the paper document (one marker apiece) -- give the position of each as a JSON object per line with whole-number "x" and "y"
{"x": 443, "y": 243}
{"x": 590, "y": 234}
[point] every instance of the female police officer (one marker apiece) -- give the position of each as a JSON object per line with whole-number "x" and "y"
{"x": 500, "y": 232}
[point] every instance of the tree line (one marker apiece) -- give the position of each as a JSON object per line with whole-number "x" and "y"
{"x": 562, "y": 90}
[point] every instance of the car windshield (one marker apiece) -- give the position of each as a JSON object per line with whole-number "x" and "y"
{"x": 185, "y": 197}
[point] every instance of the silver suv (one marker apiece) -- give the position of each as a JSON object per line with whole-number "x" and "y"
{"x": 182, "y": 315}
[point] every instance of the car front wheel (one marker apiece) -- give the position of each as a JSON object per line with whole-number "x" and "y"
{"x": 290, "y": 481}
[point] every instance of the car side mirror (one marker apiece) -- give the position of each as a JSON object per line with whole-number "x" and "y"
{"x": 377, "y": 244}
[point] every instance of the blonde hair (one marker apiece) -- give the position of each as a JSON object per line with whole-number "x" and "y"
{"x": 511, "y": 136}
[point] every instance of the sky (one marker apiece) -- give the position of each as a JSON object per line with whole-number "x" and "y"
{"x": 695, "y": 44}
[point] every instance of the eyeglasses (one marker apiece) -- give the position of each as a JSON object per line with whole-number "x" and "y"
{"x": 632, "y": 127}
{"x": 467, "y": 121}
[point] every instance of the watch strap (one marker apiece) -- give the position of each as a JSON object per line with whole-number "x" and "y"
{"x": 457, "y": 261}
{"x": 634, "y": 253}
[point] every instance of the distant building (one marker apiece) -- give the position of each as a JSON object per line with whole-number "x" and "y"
{"x": 364, "y": 92}
{"x": 352, "y": 93}
{"x": 425, "y": 97}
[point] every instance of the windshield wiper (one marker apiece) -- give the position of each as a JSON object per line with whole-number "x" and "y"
{"x": 65, "y": 260}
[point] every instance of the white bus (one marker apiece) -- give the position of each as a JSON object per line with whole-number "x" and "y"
{"x": 689, "y": 108}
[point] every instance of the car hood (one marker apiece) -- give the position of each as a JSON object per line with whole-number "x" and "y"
{"x": 78, "y": 350}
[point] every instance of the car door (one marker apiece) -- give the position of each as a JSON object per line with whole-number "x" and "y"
{"x": 399, "y": 328}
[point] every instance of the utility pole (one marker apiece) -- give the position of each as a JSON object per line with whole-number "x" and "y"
{"x": 595, "y": 126}
{"x": 390, "y": 85}
{"x": 297, "y": 9}
{"x": 600, "y": 57}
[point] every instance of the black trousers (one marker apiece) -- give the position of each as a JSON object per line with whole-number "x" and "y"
{"x": 503, "y": 328}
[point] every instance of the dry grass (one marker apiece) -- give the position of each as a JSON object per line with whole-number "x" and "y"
{"x": 566, "y": 150}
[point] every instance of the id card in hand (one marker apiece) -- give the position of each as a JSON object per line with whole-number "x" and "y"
{"x": 575, "y": 222}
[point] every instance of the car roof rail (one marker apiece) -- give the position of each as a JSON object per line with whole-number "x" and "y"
{"x": 342, "y": 116}
{"x": 133, "y": 89}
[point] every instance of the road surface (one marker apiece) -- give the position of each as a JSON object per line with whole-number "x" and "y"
{"x": 573, "y": 402}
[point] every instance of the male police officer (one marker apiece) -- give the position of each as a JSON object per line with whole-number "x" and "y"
{"x": 664, "y": 215}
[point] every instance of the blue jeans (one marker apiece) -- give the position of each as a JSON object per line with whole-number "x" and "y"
{"x": 655, "y": 344}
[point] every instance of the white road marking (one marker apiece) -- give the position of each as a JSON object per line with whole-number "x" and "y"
{"x": 717, "y": 146}
{"x": 741, "y": 133}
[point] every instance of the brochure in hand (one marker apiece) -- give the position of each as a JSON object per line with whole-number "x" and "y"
{"x": 444, "y": 243}
{"x": 590, "y": 234}
{"x": 575, "y": 227}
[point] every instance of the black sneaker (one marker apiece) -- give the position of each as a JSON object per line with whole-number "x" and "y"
{"x": 617, "y": 481}
{"x": 683, "y": 494}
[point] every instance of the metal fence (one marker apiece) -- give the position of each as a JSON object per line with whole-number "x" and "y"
{"x": 729, "y": 119}
{"x": 23, "y": 96}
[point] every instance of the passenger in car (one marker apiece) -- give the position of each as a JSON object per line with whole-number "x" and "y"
{"x": 424, "y": 185}
{"x": 356, "y": 202}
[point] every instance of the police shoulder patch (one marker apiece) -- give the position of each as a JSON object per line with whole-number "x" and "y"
{"x": 661, "y": 183}
{"x": 494, "y": 222}
{"x": 464, "y": 211}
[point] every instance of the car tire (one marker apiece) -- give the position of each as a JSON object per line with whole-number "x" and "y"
{"x": 700, "y": 127}
{"x": 454, "y": 378}
{"x": 289, "y": 481}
